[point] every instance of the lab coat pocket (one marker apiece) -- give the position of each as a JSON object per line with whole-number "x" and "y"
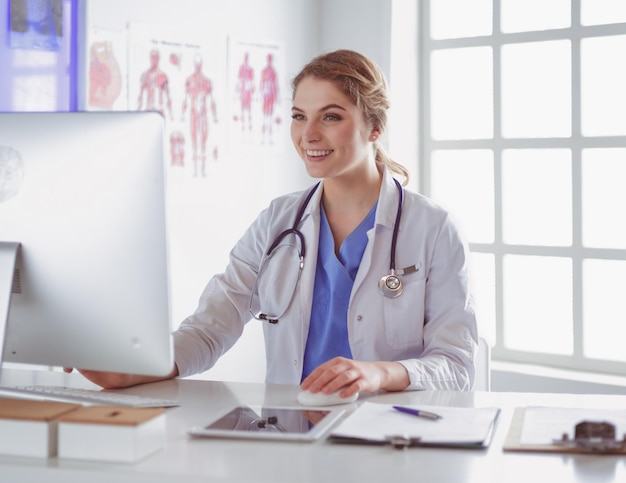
{"x": 404, "y": 315}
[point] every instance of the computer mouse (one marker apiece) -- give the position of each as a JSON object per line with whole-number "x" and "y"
{"x": 307, "y": 398}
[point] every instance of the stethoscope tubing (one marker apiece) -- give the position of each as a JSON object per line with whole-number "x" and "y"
{"x": 396, "y": 228}
{"x": 390, "y": 285}
{"x": 294, "y": 229}
{"x": 393, "y": 289}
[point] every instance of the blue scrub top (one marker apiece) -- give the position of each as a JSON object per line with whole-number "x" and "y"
{"x": 334, "y": 278}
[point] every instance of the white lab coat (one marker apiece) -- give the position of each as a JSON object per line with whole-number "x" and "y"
{"x": 430, "y": 329}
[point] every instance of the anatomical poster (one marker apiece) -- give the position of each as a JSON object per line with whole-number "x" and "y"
{"x": 181, "y": 76}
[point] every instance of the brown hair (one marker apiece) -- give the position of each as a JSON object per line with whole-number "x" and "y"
{"x": 364, "y": 83}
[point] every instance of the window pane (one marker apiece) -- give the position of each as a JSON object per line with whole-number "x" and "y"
{"x": 450, "y": 19}
{"x": 604, "y": 312}
{"x": 530, "y": 15}
{"x": 603, "y": 77}
{"x": 462, "y": 182}
{"x": 597, "y": 12}
{"x": 483, "y": 288}
{"x": 538, "y": 304}
{"x": 537, "y": 197}
{"x": 603, "y": 198}
{"x": 462, "y": 93}
{"x": 536, "y": 89}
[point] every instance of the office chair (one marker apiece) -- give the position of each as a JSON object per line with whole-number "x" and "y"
{"x": 482, "y": 379}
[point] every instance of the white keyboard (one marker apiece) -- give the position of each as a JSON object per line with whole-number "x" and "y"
{"x": 86, "y": 396}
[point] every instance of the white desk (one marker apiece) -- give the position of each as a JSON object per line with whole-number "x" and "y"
{"x": 189, "y": 460}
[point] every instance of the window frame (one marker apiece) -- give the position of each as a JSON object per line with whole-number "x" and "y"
{"x": 576, "y": 143}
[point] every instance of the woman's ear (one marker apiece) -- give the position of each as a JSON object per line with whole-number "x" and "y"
{"x": 375, "y": 134}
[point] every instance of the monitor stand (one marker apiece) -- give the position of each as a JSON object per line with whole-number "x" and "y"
{"x": 8, "y": 261}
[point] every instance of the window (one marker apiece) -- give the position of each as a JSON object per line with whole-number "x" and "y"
{"x": 524, "y": 142}
{"x": 38, "y": 63}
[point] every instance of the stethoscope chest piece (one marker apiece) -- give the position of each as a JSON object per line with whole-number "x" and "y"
{"x": 390, "y": 285}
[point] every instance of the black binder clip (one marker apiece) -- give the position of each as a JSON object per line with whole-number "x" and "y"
{"x": 593, "y": 437}
{"x": 401, "y": 441}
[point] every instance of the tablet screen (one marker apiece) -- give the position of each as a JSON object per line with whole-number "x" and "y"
{"x": 271, "y": 423}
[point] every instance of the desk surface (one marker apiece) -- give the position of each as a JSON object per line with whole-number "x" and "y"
{"x": 190, "y": 460}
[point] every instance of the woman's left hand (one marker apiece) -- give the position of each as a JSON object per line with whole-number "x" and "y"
{"x": 351, "y": 376}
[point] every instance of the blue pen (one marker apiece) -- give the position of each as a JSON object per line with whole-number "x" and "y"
{"x": 417, "y": 412}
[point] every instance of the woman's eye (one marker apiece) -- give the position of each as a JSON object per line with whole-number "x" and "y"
{"x": 297, "y": 117}
{"x": 331, "y": 117}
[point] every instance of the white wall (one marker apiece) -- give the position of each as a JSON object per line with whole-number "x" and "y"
{"x": 362, "y": 25}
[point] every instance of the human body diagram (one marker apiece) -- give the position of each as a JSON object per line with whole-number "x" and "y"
{"x": 256, "y": 95}
{"x": 154, "y": 92}
{"x": 199, "y": 99}
{"x": 245, "y": 90}
{"x": 269, "y": 94}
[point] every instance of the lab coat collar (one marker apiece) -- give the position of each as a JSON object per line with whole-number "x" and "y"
{"x": 313, "y": 207}
{"x": 387, "y": 201}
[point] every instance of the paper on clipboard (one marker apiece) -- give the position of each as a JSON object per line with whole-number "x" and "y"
{"x": 379, "y": 423}
{"x": 539, "y": 429}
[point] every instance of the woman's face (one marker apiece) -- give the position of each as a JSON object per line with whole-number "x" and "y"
{"x": 329, "y": 131}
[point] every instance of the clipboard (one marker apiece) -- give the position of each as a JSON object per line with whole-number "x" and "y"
{"x": 458, "y": 427}
{"x": 567, "y": 430}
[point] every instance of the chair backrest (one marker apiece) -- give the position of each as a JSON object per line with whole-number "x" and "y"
{"x": 482, "y": 380}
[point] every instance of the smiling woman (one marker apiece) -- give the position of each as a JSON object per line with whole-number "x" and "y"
{"x": 332, "y": 327}
{"x": 336, "y": 143}
{"x": 360, "y": 82}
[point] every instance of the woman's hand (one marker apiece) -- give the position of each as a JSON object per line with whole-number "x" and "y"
{"x": 356, "y": 376}
{"x": 117, "y": 380}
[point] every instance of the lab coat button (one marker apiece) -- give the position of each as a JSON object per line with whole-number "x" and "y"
{"x": 359, "y": 318}
{"x": 295, "y": 362}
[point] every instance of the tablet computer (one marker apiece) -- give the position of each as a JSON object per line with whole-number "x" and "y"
{"x": 275, "y": 423}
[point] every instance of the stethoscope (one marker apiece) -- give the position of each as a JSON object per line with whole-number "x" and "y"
{"x": 390, "y": 285}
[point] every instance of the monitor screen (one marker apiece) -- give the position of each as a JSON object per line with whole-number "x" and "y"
{"x": 82, "y": 195}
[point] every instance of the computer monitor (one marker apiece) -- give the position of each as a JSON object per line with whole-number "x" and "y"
{"x": 82, "y": 203}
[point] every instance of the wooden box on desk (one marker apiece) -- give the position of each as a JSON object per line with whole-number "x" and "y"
{"x": 105, "y": 433}
{"x": 29, "y": 427}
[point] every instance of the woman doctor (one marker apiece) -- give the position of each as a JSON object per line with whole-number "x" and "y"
{"x": 360, "y": 284}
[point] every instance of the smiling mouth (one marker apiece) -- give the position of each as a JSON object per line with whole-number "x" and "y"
{"x": 316, "y": 153}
